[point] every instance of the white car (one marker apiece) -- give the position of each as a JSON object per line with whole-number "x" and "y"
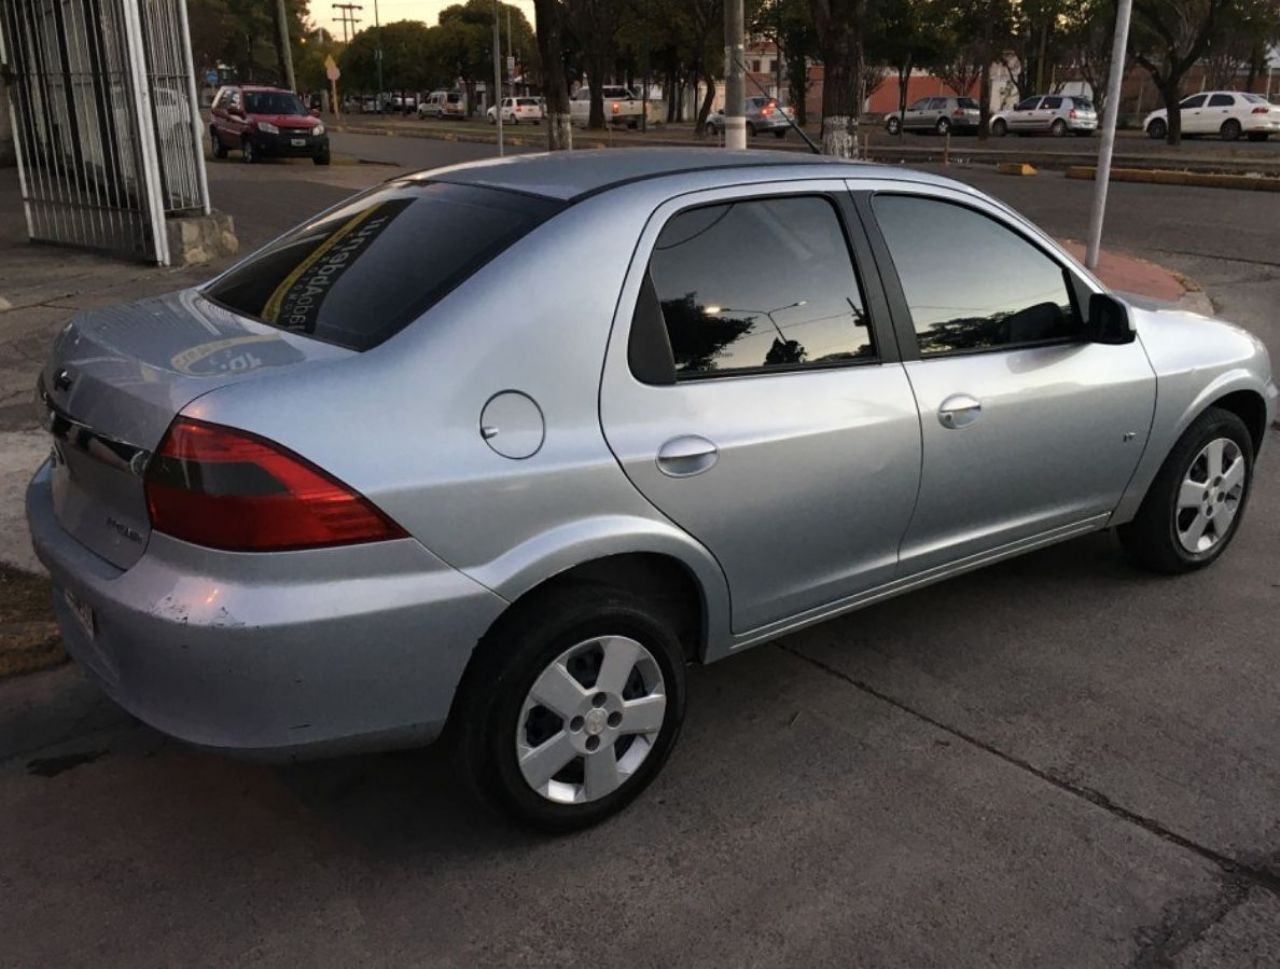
{"x": 1228, "y": 114}
{"x": 621, "y": 106}
{"x": 517, "y": 110}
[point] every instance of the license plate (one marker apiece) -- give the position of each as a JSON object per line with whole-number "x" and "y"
{"x": 299, "y": 142}
{"x": 82, "y": 611}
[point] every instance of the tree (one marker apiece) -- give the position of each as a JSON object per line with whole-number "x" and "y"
{"x": 904, "y": 35}
{"x": 411, "y": 59}
{"x": 1245, "y": 32}
{"x": 595, "y": 26}
{"x": 789, "y": 24}
{"x": 1167, "y": 38}
{"x": 1089, "y": 33}
{"x": 464, "y": 41}
{"x": 1036, "y": 44}
{"x": 840, "y": 25}
{"x": 549, "y": 17}
{"x": 974, "y": 33}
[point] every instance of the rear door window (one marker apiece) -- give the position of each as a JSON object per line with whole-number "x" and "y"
{"x": 1221, "y": 101}
{"x": 366, "y": 270}
{"x": 1051, "y": 104}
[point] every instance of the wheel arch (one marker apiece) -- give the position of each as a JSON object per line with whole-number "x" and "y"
{"x": 1250, "y": 407}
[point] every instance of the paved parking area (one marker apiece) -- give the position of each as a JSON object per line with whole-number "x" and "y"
{"x": 1054, "y": 762}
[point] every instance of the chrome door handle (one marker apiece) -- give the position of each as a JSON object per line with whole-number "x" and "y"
{"x": 682, "y": 457}
{"x": 959, "y": 410}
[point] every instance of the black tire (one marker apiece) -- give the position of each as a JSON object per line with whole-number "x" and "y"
{"x": 219, "y": 149}
{"x": 999, "y": 127}
{"x": 1230, "y": 130}
{"x": 485, "y": 719}
{"x": 1150, "y": 541}
{"x": 1158, "y": 129}
{"x": 893, "y": 125}
{"x": 321, "y": 158}
{"x": 942, "y": 126}
{"x": 1259, "y": 135}
{"x": 751, "y": 130}
{"x": 249, "y": 153}
{"x": 1058, "y": 129}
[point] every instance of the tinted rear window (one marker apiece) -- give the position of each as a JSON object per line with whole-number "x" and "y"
{"x": 969, "y": 103}
{"x": 366, "y": 270}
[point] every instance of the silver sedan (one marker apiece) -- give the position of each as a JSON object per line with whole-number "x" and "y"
{"x": 379, "y": 482}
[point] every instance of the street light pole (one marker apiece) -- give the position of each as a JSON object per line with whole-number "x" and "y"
{"x": 497, "y": 75}
{"x": 1110, "y": 116}
{"x": 735, "y": 124}
{"x": 377, "y": 53}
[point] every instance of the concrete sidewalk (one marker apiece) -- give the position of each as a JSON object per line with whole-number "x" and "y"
{"x": 42, "y": 288}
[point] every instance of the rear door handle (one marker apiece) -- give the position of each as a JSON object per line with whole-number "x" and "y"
{"x": 682, "y": 457}
{"x": 959, "y": 410}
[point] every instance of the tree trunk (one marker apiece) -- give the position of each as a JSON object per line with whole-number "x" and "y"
{"x": 597, "y": 70}
{"x": 705, "y": 110}
{"x": 1171, "y": 92}
{"x": 838, "y": 29}
{"x": 904, "y": 77}
{"x": 984, "y": 101}
{"x": 555, "y": 84}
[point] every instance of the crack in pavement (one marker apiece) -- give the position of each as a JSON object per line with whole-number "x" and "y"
{"x": 1232, "y": 867}
{"x": 1184, "y": 922}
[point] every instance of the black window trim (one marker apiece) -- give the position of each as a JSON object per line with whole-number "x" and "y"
{"x": 1078, "y": 291}
{"x": 884, "y": 341}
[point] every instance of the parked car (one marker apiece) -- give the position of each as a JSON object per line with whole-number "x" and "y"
{"x": 787, "y": 389}
{"x": 443, "y": 104}
{"x": 405, "y": 103}
{"x": 939, "y": 115}
{"x": 516, "y": 110}
{"x": 1228, "y": 114}
{"x": 762, "y": 114}
{"x": 265, "y": 122}
{"x": 621, "y": 106}
{"x": 1053, "y": 114}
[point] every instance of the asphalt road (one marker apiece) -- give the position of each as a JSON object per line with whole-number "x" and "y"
{"x": 1054, "y": 762}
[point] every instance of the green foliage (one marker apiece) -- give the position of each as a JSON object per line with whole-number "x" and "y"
{"x": 241, "y": 34}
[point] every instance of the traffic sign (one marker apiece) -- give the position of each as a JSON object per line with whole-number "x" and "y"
{"x": 211, "y": 77}
{"x": 331, "y": 68}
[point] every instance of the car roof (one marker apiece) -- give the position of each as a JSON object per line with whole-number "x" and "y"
{"x": 570, "y": 176}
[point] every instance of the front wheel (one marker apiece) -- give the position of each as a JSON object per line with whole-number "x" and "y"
{"x": 999, "y": 127}
{"x": 1157, "y": 130}
{"x": 571, "y": 706}
{"x": 1194, "y": 506}
{"x": 893, "y": 125}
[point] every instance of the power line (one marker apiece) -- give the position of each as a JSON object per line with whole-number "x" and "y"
{"x": 348, "y": 18}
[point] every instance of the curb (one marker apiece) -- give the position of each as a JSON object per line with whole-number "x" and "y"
{"x": 1250, "y": 183}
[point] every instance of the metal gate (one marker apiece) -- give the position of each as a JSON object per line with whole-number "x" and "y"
{"x": 108, "y": 129}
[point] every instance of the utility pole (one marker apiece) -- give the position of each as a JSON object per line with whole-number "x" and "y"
{"x": 497, "y": 75}
{"x": 1103, "y": 174}
{"x": 348, "y": 18}
{"x": 735, "y": 124}
{"x": 511, "y": 54}
{"x": 286, "y": 50}
{"x": 377, "y": 52}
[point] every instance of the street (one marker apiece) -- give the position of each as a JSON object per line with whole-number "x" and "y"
{"x": 1057, "y": 761}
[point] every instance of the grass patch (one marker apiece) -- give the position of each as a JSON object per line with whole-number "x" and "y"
{"x": 29, "y": 638}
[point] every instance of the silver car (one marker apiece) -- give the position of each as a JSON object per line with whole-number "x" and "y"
{"x": 763, "y": 114}
{"x": 1052, "y": 114}
{"x": 379, "y": 481}
{"x": 939, "y": 115}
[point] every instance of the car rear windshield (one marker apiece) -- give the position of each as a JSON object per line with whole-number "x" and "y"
{"x": 968, "y": 103}
{"x": 273, "y": 102}
{"x": 1084, "y": 104}
{"x": 364, "y": 271}
{"x": 1254, "y": 98}
{"x": 529, "y": 102}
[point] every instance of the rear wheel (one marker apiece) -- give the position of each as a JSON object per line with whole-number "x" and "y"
{"x": 1058, "y": 129}
{"x": 1230, "y": 130}
{"x": 1195, "y": 504}
{"x": 1157, "y": 130}
{"x": 571, "y": 706}
{"x": 999, "y": 127}
{"x": 219, "y": 149}
{"x": 894, "y": 125}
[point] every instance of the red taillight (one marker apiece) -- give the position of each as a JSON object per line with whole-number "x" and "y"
{"x": 223, "y": 488}
{"x": 958, "y": 113}
{"x": 617, "y": 108}
{"x": 1071, "y": 113}
{"x": 1260, "y": 110}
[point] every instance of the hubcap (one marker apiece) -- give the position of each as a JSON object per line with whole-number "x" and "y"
{"x": 590, "y": 719}
{"x": 1209, "y": 496}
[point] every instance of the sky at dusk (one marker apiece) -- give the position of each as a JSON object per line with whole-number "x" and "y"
{"x": 427, "y": 11}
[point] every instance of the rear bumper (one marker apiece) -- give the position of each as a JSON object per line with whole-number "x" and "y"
{"x": 282, "y": 655}
{"x": 1267, "y": 125}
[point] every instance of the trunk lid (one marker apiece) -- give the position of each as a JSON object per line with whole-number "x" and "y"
{"x": 117, "y": 378}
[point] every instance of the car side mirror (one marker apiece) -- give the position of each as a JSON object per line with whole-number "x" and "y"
{"x": 1109, "y": 320}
